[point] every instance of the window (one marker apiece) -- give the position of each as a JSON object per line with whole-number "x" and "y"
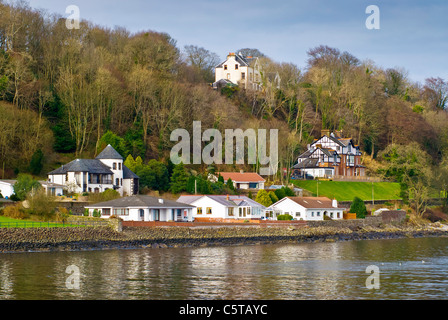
{"x": 119, "y": 165}
{"x": 318, "y": 213}
{"x": 230, "y": 211}
{"x": 240, "y": 212}
{"x": 114, "y": 166}
{"x": 225, "y": 67}
{"x": 228, "y": 76}
{"x": 117, "y": 181}
{"x": 243, "y": 75}
{"x": 121, "y": 212}
{"x": 199, "y": 210}
{"x": 209, "y": 210}
{"x": 297, "y": 214}
{"x": 312, "y": 213}
{"x": 236, "y": 67}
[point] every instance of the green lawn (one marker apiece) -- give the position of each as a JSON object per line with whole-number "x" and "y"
{"x": 346, "y": 191}
{"x": 17, "y": 223}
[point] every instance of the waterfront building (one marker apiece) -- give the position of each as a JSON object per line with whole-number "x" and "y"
{"x": 212, "y": 207}
{"x": 106, "y": 171}
{"x": 143, "y": 208}
{"x": 306, "y": 208}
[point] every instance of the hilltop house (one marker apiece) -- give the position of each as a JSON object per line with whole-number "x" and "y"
{"x": 106, "y": 171}
{"x": 306, "y": 208}
{"x": 330, "y": 156}
{"x": 143, "y": 208}
{"x": 241, "y": 180}
{"x": 208, "y": 207}
{"x": 240, "y": 70}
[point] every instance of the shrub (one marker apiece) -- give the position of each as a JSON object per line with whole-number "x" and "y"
{"x": 15, "y": 212}
{"x": 358, "y": 206}
{"x": 96, "y": 213}
{"x": 284, "y": 217}
{"x": 62, "y": 214}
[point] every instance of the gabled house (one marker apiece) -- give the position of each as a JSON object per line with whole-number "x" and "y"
{"x": 242, "y": 180}
{"x": 143, "y": 208}
{"x": 106, "y": 171}
{"x": 330, "y": 156}
{"x": 240, "y": 70}
{"x": 209, "y": 207}
{"x": 306, "y": 208}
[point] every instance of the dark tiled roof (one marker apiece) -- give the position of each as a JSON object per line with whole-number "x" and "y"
{"x": 128, "y": 174}
{"x": 83, "y": 165}
{"x": 109, "y": 153}
{"x": 140, "y": 201}
{"x": 307, "y": 163}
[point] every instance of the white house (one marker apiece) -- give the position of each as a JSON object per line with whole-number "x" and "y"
{"x": 242, "y": 180}
{"x": 106, "y": 171}
{"x": 143, "y": 208}
{"x": 306, "y": 208}
{"x": 240, "y": 70}
{"x": 7, "y": 188}
{"x": 224, "y": 206}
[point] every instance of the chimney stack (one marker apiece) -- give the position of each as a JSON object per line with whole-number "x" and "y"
{"x": 334, "y": 203}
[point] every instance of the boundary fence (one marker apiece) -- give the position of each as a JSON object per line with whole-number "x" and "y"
{"x": 53, "y": 224}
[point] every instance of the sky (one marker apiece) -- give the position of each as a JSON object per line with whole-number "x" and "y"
{"x": 412, "y": 35}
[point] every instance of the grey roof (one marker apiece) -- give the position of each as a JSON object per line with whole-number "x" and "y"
{"x": 140, "y": 201}
{"x": 242, "y": 60}
{"x": 9, "y": 181}
{"x": 128, "y": 174}
{"x": 307, "y": 163}
{"x": 231, "y": 200}
{"x": 83, "y": 165}
{"x": 109, "y": 153}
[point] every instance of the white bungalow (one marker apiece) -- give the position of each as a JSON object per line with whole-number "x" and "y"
{"x": 143, "y": 208}
{"x": 306, "y": 208}
{"x": 224, "y": 206}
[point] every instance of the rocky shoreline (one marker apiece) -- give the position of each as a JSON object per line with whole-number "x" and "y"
{"x": 101, "y": 238}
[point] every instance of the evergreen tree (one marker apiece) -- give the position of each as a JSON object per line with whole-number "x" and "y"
{"x": 358, "y": 206}
{"x": 280, "y": 193}
{"x": 190, "y": 187}
{"x": 179, "y": 179}
{"x": 36, "y": 162}
{"x": 263, "y": 198}
{"x": 230, "y": 185}
{"x": 273, "y": 196}
{"x": 24, "y": 185}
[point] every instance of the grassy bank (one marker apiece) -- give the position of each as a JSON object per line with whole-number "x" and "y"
{"x": 347, "y": 190}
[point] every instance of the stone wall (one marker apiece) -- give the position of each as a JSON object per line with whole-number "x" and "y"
{"x": 352, "y": 223}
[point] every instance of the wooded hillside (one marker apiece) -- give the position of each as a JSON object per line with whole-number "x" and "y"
{"x": 62, "y": 90}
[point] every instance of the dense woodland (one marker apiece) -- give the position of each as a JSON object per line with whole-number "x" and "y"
{"x": 66, "y": 93}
